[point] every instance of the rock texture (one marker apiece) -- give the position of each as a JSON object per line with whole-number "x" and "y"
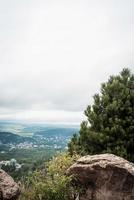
{"x": 9, "y": 190}
{"x": 104, "y": 177}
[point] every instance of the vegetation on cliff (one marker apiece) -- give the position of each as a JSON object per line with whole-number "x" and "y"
{"x": 50, "y": 183}
{"x": 109, "y": 128}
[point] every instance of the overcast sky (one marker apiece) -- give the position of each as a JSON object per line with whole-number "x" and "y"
{"x": 54, "y": 55}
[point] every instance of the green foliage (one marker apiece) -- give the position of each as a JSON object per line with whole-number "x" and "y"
{"x": 30, "y": 159}
{"x": 50, "y": 183}
{"x": 110, "y": 120}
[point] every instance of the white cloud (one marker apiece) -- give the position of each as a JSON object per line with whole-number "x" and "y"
{"x": 55, "y": 54}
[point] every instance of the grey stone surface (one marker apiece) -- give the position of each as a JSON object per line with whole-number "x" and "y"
{"x": 104, "y": 177}
{"x": 9, "y": 190}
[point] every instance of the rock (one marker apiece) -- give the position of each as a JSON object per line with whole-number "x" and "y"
{"x": 9, "y": 190}
{"x": 104, "y": 177}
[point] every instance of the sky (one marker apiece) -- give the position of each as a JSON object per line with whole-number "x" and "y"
{"x": 55, "y": 54}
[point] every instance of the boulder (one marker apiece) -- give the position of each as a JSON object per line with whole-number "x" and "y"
{"x": 9, "y": 190}
{"x": 103, "y": 177}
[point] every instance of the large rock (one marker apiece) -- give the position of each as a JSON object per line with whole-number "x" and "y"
{"x": 9, "y": 190}
{"x": 104, "y": 177}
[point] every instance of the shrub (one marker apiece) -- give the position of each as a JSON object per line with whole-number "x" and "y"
{"x": 50, "y": 183}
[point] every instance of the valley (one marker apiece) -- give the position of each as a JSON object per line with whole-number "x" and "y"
{"x": 30, "y": 145}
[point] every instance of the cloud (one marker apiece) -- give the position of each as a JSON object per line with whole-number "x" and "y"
{"x": 55, "y": 54}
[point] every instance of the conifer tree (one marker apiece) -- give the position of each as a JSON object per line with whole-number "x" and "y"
{"x": 110, "y": 120}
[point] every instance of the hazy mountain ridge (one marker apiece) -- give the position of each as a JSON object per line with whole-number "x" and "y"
{"x": 8, "y": 137}
{"x": 56, "y": 131}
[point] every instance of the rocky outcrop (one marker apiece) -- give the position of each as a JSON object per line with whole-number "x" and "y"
{"x": 9, "y": 190}
{"x": 104, "y": 177}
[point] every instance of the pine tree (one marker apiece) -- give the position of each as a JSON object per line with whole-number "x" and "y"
{"x": 110, "y": 120}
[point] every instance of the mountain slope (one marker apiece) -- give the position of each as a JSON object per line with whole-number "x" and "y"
{"x": 8, "y": 137}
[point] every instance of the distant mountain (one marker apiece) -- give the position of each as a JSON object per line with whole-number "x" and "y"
{"x": 8, "y": 137}
{"x": 57, "y": 132}
{"x": 29, "y": 129}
